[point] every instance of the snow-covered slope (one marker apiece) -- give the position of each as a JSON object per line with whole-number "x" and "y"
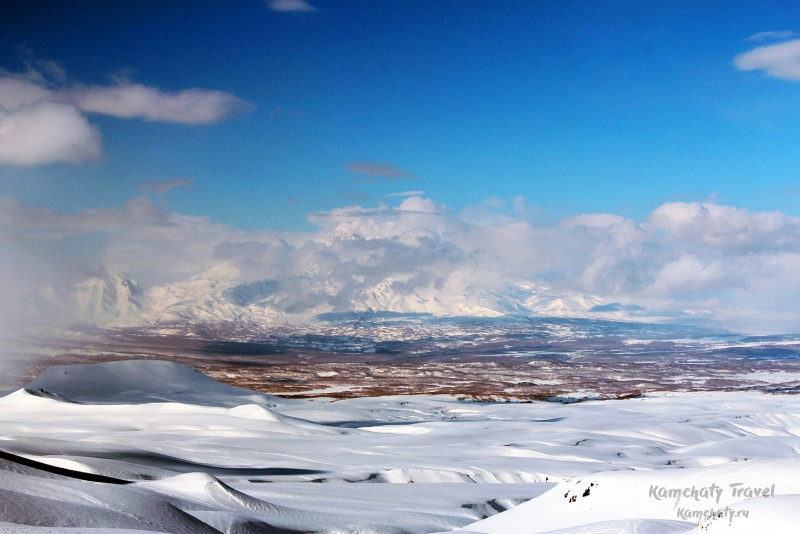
{"x": 107, "y": 301}
{"x": 391, "y": 464}
{"x": 523, "y": 298}
{"x": 214, "y": 295}
{"x": 140, "y": 382}
{"x": 759, "y": 496}
{"x": 220, "y": 294}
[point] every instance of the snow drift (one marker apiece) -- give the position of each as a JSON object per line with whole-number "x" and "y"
{"x": 156, "y": 447}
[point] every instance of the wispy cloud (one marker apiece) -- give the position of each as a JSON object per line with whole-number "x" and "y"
{"x": 40, "y": 124}
{"x": 129, "y": 101}
{"x": 289, "y": 6}
{"x": 762, "y": 37}
{"x": 781, "y": 60}
{"x": 159, "y": 187}
{"x": 406, "y": 194}
{"x": 378, "y": 172}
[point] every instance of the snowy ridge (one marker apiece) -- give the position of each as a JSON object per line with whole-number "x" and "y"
{"x": 141, "y": 382}
{"x": 220, "y": 294}
{"x": 102, "y": 301}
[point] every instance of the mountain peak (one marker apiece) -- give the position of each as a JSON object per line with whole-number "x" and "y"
{"x": 221, "y": 272}
{"x": 219, "y": 294}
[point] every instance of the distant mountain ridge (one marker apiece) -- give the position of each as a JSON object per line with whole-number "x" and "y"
{"x": 219, "y": 294}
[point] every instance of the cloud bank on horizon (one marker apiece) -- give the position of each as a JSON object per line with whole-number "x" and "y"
{"x": 693, "y": 258}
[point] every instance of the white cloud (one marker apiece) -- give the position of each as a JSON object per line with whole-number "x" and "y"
{"x": 780, "y": 60}
{"x": 35, "y": 130}
{"x": 46, "y": 132}
{"x": 40, "y": 125}
{"x": 419, "y": 204}
{"x": 686, "y": 257}
{"x": 496, "y": 211}
{"x": 289, "y": 6}
{"x": 726, "y": 227}
{"x": 128, "y": 101}
{"x": 686, "y": 275}
{"x": 15, "y": 93}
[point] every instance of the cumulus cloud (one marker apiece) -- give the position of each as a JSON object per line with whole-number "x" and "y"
{"x": 727, "y": 227}
{"x": 35, "y": 129}
{"x": 40, "y": 124}
{"x": 696, "y": 258}
{"x": 16, "y": 93}
{"x": 781, "y": 60}
{"x": 378, "y": 172}
{"x": 685, "y": 275}
{"x": 289, "y": 6}
{"x": 46, "y": 132}
{"x": 160, "y": 187}
{"x": 420, "y": 205}
{"x": 416, "y": 217}
{"x": 495, "y": 211}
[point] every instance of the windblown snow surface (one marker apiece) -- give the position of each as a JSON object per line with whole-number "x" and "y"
{"x": 133, "y": 447}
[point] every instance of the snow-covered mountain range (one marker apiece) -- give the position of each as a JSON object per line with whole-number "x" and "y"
{"x": 220, "y": 294}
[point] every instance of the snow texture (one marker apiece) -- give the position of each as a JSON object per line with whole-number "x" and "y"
{"x": 148, "y": 446}
{"x": 220, "y": 294}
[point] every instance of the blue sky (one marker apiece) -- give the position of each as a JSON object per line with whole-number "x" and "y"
{"x": 385, "y": 155}
{"x": 575, "y": 106}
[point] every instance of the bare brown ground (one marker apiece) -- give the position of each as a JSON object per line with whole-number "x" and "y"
{"x": 518, "y": 380}
{"x": 496, "y": 366}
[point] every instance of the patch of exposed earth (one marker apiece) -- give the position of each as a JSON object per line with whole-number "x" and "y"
{"x": 561, "y": 360}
